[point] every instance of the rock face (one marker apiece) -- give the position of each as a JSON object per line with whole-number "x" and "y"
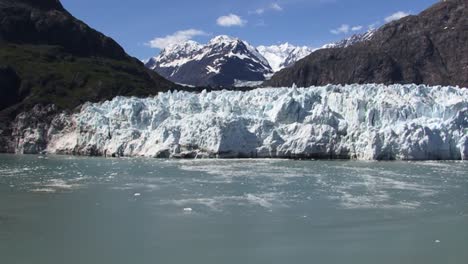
{"x": 368, "y": 122}
{"x": 430, "y": 48}
{"x": 49, "y": 57}
{"x": 223, "y": 62}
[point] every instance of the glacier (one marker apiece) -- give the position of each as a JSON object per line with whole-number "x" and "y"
{"x": 365, "y": 122}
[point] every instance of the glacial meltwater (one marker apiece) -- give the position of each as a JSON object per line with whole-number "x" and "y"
{"x": 60, "y": 209}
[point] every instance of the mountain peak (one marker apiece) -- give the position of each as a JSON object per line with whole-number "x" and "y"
{"x": 223, "y": 39}
{"x": 223, "y": 61}
{"x": 187, "y": 46}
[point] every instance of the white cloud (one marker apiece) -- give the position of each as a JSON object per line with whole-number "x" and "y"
{"x": 396, "y": 16}
{"x": 259, "y": 11}
{"x": 343, "y": 29}
{"x": 273, "y": 6}
{"x": 276, "y": 7}
{"x": 231, "y": 20}
{"x": 177, "y": 37}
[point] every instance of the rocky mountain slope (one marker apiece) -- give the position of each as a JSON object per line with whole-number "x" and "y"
{"x": 49, "y": 57}
{"x": 222, "y": 62}
{"x": 430, "y": 48}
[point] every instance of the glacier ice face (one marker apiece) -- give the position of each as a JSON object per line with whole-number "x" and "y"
{"x": 368, "y": 122}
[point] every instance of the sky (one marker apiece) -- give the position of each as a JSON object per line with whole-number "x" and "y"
{"x": 144, "y": 27}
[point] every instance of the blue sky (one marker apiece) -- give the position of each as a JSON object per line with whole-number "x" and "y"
{"x": 141, "y": 26}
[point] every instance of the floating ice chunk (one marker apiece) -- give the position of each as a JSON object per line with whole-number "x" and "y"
{"x": 44, "y": 190}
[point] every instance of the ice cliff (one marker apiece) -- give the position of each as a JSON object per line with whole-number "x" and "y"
{"x": 368, "y": 122}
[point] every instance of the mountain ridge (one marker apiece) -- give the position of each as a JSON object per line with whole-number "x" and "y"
{"x": 176, "y": 61}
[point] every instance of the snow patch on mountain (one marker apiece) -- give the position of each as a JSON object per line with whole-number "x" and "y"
{"x": 368, "y": 122}
{"x": 284, "y": 55}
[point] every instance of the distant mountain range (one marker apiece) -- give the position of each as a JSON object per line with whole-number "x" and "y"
{"x": 227, "y": 61}
{"x": 430, "y": 48}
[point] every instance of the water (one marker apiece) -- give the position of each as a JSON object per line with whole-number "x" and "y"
{"x": 94, "y": 210}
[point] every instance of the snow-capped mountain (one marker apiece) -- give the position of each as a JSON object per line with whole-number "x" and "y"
{"x": 357, "y": 38}
{"x": 227, "y": 61}
{"x": 223, "y": 61}
{"x": 284, "y": 55}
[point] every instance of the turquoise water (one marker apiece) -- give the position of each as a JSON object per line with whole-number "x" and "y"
{"x": 94, "y": 210}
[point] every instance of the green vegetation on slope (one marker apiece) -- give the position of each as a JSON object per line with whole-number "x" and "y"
{"x": 50, "y": 75}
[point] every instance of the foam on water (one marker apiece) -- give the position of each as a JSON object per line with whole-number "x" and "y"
{"x": 278, "y": 210}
